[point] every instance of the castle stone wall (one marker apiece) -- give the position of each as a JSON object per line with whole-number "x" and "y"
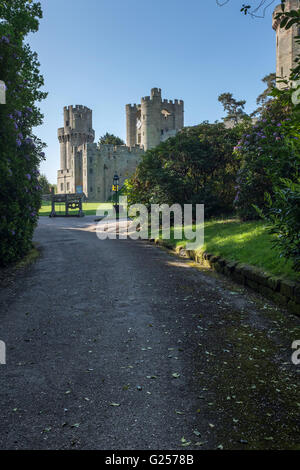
{"x": 101, "y": 163}
{"x": 85, "y": 165}
{"x": 286, "y": 47}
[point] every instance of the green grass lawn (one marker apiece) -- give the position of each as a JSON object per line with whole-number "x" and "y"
{"x": 245, "y": 242}
{"x": 89, "y": 208}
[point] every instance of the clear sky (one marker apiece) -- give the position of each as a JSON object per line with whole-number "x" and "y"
{"x": 106, "y": 53}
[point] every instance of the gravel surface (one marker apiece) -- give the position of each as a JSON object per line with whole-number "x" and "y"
{"x": 118, "y": 344}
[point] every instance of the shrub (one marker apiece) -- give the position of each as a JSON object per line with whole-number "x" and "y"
{"x": 195, "y": 166}
{"x": 267, "y": 153}
{"x": 20, "y": 151}
{"x": 283, "y": 216}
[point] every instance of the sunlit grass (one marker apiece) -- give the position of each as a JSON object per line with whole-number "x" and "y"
{"x": 245, "y": 242}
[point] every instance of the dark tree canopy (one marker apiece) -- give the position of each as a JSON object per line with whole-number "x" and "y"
{"x": 195, "y": 166}
{"x": 20, "y": 150}
{"x": 110, "y": 139}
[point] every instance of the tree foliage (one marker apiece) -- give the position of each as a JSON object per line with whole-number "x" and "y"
{"x": 256, "y": 10}
{"x": 20, "y": 150}
{"x": 44, "y": 184}
{"x": 282, "y": 214}
{"x": 264, "y": 98}
{"x": 234, "y": 108}
{"x": 111, "y": 139}
{"x": 267, "y": 153}
{"x": 195, "y": 166}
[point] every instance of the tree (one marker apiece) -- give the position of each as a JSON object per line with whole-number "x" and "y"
{"x": 264, "y": 97}
{"x": 282, "y": 214}
{"x": 195, "y": 166}
{"x": 235, "y": 109}
{"x": 20, "y": 150}
{"x": 267, "y": 153}
{"x": 257, "y": 11}
{"x": 44, "y": 184}
{"x": 280, "y": 207}
{"x": 110, "y": 139}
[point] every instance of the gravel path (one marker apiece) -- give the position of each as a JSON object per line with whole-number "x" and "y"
{"x": 117, "y": 344}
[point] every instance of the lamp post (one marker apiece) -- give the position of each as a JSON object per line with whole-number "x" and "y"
{"x": 115, "y": 188}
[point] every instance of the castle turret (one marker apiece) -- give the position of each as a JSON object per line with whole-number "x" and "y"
{"x": 286, "y": 47}
{"x": 150, "y": 123}
{"x": 131, "y": 124}
{"x": 154, "y": 120}
{"x": 77, "y": 130}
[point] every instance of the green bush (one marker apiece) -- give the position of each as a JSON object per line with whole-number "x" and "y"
{"x": 195, "y": 166}
{"x": 283, "y": 216}
{"x": 267, "y": 154}
{"x": 20, "y": 151}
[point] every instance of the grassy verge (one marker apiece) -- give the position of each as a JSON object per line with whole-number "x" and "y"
{"x": 30, "y": 258}
{"x": 245, "y": 242}
{"x": 89, "y": 208}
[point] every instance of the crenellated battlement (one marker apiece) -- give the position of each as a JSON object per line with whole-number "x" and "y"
{"x": 155, "y": 92}
{"x": 78, "y": 122}
{"x": 77, "y": 131}
{"x": 164, "y": 101}
{"x": 175, "y": 102}
{"x": 154, "y": 119}
{"x": 119, "y": 149}
{"x": 77, "y": 107}
{"x": 90, "y": 166}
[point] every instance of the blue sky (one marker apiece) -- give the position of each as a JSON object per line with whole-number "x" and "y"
{"x": 106, "y": 53}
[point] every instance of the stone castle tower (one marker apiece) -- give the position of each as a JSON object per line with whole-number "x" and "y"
{"x": 77, "y": 131}
{"x": 89, "y": 168}
{"x": 153, "y": 121}
{"x": 84, "y": 165}
{"x": 286, "y": 47}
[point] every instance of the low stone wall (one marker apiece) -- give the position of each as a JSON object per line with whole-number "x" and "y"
{"x": 281, "y": 291}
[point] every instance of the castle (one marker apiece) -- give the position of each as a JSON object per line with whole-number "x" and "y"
{"x": 89, "y": 168}
{"x": 153, "y": 121}
{"x": 286, "y": 47}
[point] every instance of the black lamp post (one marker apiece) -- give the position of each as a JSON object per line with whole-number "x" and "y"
{"x": 116, "y": 189}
